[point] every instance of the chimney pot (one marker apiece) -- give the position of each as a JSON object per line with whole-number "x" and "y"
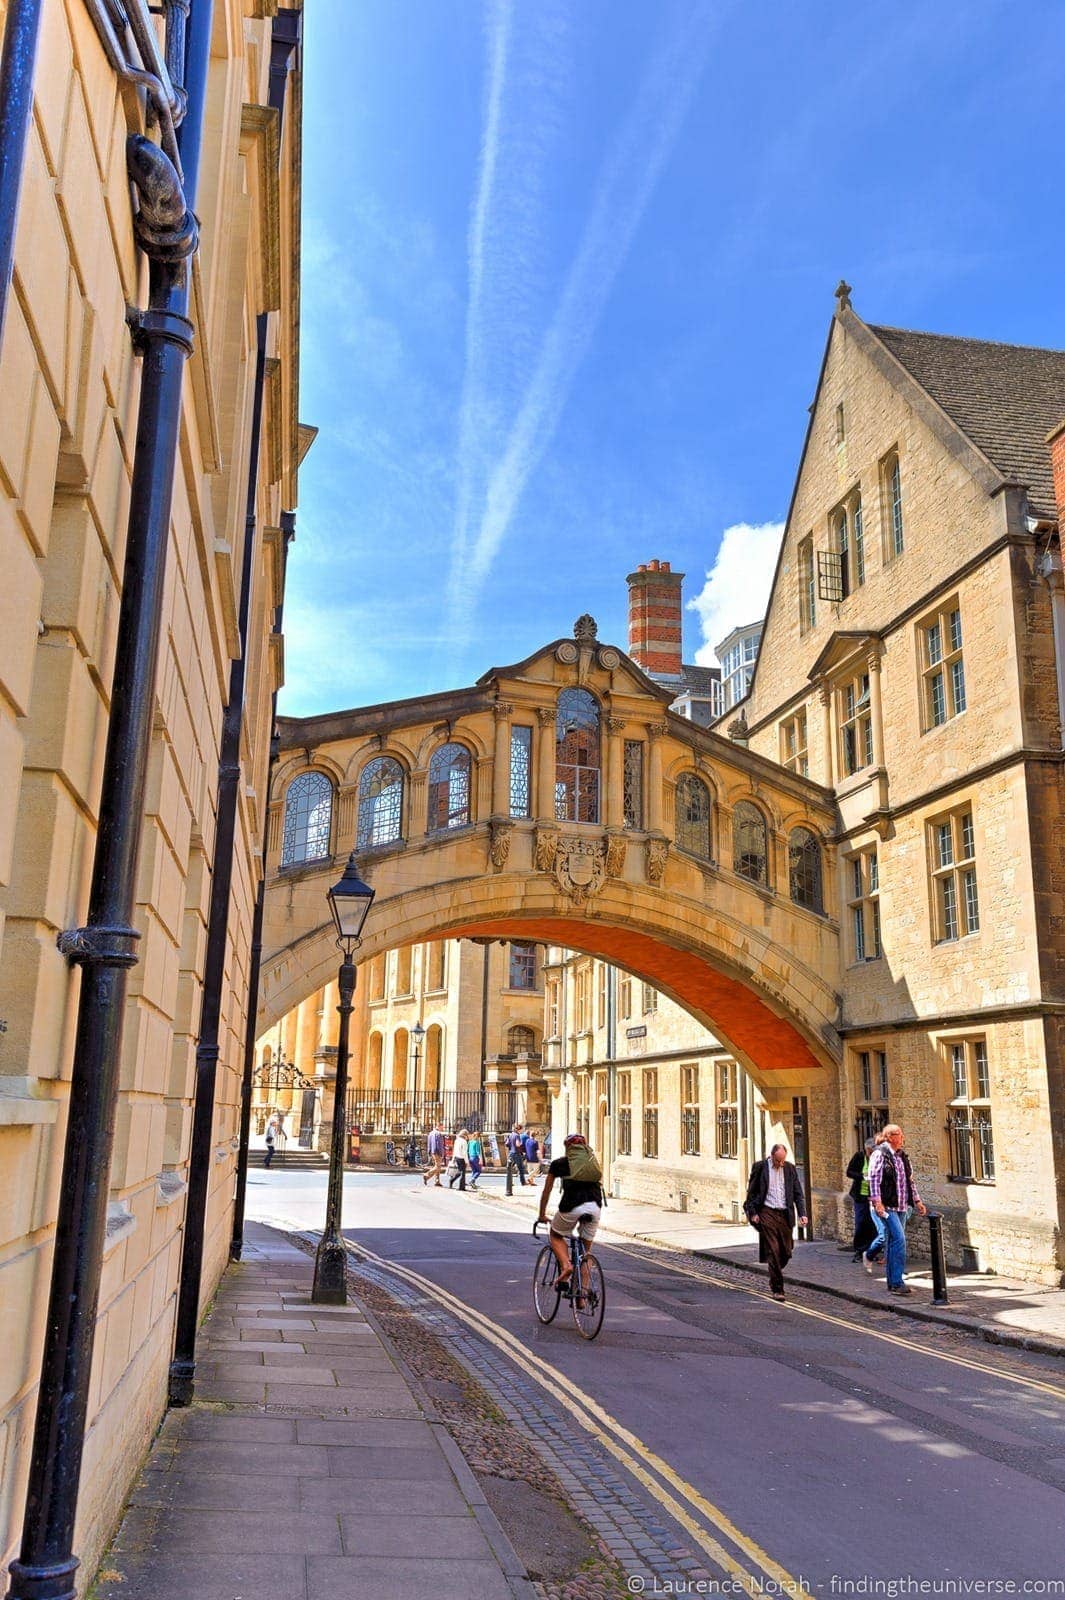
{"x": 656, "y": 618}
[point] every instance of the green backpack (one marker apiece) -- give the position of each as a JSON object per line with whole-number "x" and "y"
{"x": 583, "y": 1164}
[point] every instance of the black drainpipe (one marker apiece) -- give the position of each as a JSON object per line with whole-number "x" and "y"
{"x": 183, "y": 1365}
{"x": 236, "y": 1246}
{"x": 21, "y": 32}
{"x": 106, "y": 947}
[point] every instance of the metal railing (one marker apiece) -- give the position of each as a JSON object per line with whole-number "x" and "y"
{"x": 869, "y": 1120}
{"x": 406, "y": 1111}
{"x": 972, "y": 1149}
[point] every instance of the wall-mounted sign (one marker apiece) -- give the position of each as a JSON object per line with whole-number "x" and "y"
{"x": 636, "y": 1033}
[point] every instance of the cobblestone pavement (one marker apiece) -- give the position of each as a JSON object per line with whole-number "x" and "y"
{"x": 633, "y": 1533}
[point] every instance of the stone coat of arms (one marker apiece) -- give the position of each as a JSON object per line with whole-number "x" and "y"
{"x": 580, "y": 867}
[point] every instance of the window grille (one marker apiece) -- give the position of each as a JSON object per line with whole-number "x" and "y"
{"x": 520, "y": 772}
{"x": 633, "y": 783}
{"x": 449, "y": 788}
{"x": 829, "y": 576}
{"x": 521, "y": 1040}
{"x": 380, "y": 803}
{"x": 970, "y": 1139}
{"x": 871, "y": 1111}
{"x": 728, "y": 1120}
{"x": 308, "y": 819}
{"x": 749, "y": 842}
{"x": 692, "y": 816}
{"x": 577, "y": 757}
{"x": 804, "y": 869}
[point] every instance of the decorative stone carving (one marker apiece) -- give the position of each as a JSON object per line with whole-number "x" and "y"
{"x": 502, "y": 708}
{"x": 580, "y": 867}
{"x": 585, "y": 630}
{"x": 609, "y": 658}
{"x": 615, "y": 724}
{"x": 544, "y": 842}
{"x": 737, "y": 728}
{"x": 500, "y": 832}
{"x": 545, "y": 715}
{"x": 616, "y": 848}
{"x": 567, "y": 653}
{"x": 657, "y": 850}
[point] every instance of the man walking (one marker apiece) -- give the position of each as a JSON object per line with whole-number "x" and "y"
{"x": 516, "y": 1151}
{"x": 774, "y": 1197}
{"x": 435, "y": 1147}
{"x": 893, "y": 1196}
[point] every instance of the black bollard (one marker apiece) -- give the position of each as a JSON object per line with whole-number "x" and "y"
{"x": 510, "y": 1177}
{"x": 939, "y": 1259}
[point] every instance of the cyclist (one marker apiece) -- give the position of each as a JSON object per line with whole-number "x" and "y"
{"x": 581, "y": 1202}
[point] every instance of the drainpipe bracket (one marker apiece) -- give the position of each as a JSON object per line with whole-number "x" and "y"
{"x": 146, "y": 326}
{"x": 99, "y": 946}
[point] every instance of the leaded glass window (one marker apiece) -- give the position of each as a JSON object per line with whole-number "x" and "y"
{"x": 308, "y": 816}
{"x": 804, "y": 869}
{"x": 449, "y": 788}
{"x": 521, "y": 772}
{"x": 577, "y": 757}
{"x": 693, "y": 816}
{"x": 749, "y": 843}
{"x": 633, "y": 783}
{"x": 380, "y": 803}
{"x": 522, "y": 973}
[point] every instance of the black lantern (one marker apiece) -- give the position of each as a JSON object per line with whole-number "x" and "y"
{"x": 350, "y": 901}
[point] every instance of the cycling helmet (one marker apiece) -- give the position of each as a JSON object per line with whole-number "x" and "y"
{"x": 575, "y": 1138}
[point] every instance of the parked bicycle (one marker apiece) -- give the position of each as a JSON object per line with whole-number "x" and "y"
{"x": 585, "y": 1289}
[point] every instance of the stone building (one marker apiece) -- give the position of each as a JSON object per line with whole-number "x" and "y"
{"x": 448, "y": 1029}
{"x": 71, "y": 378}
{"x": 910, "y": 663}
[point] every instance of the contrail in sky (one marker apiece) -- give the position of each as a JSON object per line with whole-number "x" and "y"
{"x": 622, "y": 192}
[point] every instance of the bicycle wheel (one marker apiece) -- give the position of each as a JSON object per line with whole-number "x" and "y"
{"x": 589, "y": 1315}
{"x": 545, "y": 1285}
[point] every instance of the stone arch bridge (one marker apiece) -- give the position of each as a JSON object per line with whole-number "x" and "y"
{"x": 559, "y": 800}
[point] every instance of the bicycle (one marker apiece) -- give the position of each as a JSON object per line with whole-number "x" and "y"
{"x": 585, "y": 1289}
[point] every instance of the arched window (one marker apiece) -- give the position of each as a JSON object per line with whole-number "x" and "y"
{"x": 804, "y": 869}
{"x": 577, "y": 757}
{"x": 749, "y": 853}
{"x": 308, "y": 815}
{"x": 401, "y": 1062}
{"x": 373, "y": 1062}
{"x": 449, "y": 788}
{"x": 693, "y": 816}
{"x": 434, "y": 1045}
{"x": 521, "y": 1040}
{"x": 380, "y": 803}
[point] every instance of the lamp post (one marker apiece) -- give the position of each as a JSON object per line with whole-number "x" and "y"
{"x": 417, "y": 1034}
{"x": 349, "y": 901}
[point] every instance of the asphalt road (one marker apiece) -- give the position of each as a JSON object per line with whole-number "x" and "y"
{"x": 853, "y": 1448}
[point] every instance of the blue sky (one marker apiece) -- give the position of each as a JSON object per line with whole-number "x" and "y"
{"x": 568, "y": 272}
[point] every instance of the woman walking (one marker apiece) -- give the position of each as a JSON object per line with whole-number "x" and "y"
{"x": 475, "y": 1157}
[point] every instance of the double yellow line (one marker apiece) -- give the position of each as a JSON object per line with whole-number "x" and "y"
{"x": 692, "y": 1510}
{"x": 708, "y": 1279}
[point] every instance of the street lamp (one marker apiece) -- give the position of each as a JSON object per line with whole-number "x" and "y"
{"x": 349, "y": 901}
{"x": 417, "y": 1034}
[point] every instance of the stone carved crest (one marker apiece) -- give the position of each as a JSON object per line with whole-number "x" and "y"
{"x": 580, "y": 867}
{"x": 499, "y": 842}
{"x": 657, "y": 851}
{"x": 544, "y": 842}
{"x": 616, "y": 847}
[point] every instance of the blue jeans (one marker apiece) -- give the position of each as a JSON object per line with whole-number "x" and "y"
{"x": 877, "y": 1245}
{"x": 895, "y": 1234}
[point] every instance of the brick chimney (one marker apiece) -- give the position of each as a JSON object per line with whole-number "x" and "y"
{"x": 1056, "y": 441}
{"x": 655, "y": 618}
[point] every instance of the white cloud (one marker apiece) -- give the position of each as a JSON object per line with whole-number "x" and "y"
{"x": 737, "y": 586}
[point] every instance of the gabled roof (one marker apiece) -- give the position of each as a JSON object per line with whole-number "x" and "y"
{"x": 839, "y": 647}
{"x": 1005, "y": 398}
{"x": 700, "y": 680}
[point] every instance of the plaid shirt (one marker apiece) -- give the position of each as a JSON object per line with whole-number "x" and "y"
{"x": 907, "y": 1192}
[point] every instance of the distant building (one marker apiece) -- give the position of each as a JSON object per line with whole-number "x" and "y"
{"x": 737, "y": 653}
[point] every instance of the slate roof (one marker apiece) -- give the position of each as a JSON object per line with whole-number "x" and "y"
{"x": 699, "y": 679}
{"x": 1004, "y": 397}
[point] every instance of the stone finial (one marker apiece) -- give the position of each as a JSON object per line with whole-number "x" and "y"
{"x": 737, "y": 728}
{"x": 843, "y": 294}
{"x": 585, "y": 629}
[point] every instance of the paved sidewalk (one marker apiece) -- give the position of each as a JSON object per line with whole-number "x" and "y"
{"x": 310, "y": 1464}
{"x": 1006, "y": 1311}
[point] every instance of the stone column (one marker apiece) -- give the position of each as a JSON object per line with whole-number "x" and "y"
{"x": 614, "y": 777}
{"x": 544, "y": 809}
{"x": 418, "y": 816}
{"x": 828, "y": 735}
{"x": 503, "y": 712}
{"x": 656, "y": 732}
{"x": 347, "y": 813}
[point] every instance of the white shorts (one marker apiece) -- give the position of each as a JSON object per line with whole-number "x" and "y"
{"x": 585, "y": 1218}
